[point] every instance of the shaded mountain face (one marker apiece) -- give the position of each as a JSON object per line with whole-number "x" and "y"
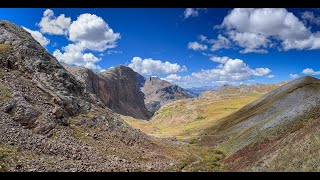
{"x": 123, "y": 85}
{"x": 273, "y": 132}
{"x": 118, "y": 88}
{"x": 127, "y": 92}
{"x": 159, "y": 93}
{"x": 48, "y": 116}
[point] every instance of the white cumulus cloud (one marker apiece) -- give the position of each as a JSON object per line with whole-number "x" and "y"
{"x": 150, "y": 66}
{"x": 93, "y": 33}
{"x": 230, "y": 70}
{"x": 309, "y": 16}
{"x": 310, "y": 43}
{"x": 309, "y": 71}
{"x": 192, "y": 12}
{"x": 293, "y": 76}
{"x": 38, "y": 37}
{"x": 261, "y": 71}
{"x": 256, "y": 29}
{"x": 197, "y": 46}
{"x": 172, "y": 78}
{"x": 270, "y": 76}
{"x": 54, "y": 25}
{"x": 87, "y": 32}
{"x": 74, "y": 55}
{"x": 266, "y": 22}
{"x": 251, "y": 42}
{"x": 220, "y": 43}
{"x": 221, "y": 60}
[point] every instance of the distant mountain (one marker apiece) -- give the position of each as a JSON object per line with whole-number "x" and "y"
{"x": 189, "y": 117}
{"x": 118, "y": 88}
{"x": 241, "y": 89}
{"x": 196, "y": 91}
{"x": 159, "y": 92}
{"x": 128, "y": 92}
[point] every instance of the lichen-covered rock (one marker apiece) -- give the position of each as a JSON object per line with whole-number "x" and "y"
{"x": 58, "y": 112}
{"x": 27, "y": 55}
{"x": 45, "y": 114}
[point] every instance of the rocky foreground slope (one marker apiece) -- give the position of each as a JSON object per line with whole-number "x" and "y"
{"x": 49, "y": 122}
{"x": 278, "y": 132}
{"x": 127, "y": 92}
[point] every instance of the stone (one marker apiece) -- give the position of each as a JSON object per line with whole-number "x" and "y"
{"x": 47, "y": 100}
{"x": 58, "y": 112}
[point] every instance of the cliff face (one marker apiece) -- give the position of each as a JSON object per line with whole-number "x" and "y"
{"x": 118, "y": 88}
{"x": 127, "y": 92}
{"x": 123, "y": 85}
{"x": 159, "y": 92}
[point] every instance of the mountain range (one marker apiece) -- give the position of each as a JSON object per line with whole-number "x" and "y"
{"x": 56, "y": 117}
{"x": 127, "y": 92}
{"x": 47, "y": 115}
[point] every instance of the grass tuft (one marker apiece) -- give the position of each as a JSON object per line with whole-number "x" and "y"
{"x": 5, "y": 93}
{"x": 4, "y": 48}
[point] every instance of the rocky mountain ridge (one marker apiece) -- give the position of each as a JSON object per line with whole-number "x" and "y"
{"x": 50, "y": 122}
{"x": 159, "y": 93}
{"x": 117, "y": 88}
{"x": 128, "y": 92}
{"x": 270, "y": 133}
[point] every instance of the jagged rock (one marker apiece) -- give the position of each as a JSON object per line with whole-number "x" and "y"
{"x": 159, "y": 93}
{"x": 58, "y": 112}
{"x": 46, "y": 112}
{"x": 127, "y": 92}
{"x": 21, "y": 111}
{"x": 117, "y": 88}
{"x": 27, "y": 55}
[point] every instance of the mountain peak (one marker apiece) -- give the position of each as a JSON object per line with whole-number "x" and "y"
{"x": 123, "y": 68}
{"x": 15, "y": 35}
{"x": 306, "y": 78}
{"x": 29, "y": 58}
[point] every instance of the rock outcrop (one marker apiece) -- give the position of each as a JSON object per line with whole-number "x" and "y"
{"x": 118, "y": 88}
{"x": 47, "y": 116}
{"x": 125, "y": 96}
{"x": 128, "y": 92}
{"x": 25, "y": 56}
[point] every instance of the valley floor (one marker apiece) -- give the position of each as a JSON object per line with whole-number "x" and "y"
{"x": 184, "y": 121}
{"x": 228, "y": 131}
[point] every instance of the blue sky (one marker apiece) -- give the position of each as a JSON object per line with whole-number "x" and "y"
{"x": 237, "y": 45}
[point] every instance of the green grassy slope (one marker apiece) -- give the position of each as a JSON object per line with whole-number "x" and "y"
{"x": 263, "y": 128}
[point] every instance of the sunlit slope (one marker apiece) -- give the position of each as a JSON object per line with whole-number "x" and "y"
{"x": 278, "y": 132}
{"x": 185, "y": 119}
